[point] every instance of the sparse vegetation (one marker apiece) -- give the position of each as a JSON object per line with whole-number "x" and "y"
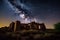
{"x": 57, "y": 26}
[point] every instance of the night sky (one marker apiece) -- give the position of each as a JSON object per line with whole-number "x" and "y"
{"x": 47, "y": 11}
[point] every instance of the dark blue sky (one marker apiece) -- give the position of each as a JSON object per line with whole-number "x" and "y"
{"x": 47, "y": 11}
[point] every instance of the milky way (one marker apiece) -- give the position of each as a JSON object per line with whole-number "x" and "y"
{"x": 47, "y": 11}
{"x": 22, "y": 10}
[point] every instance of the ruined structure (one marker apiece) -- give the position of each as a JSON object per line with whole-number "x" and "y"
{"x": 17, "y": 26}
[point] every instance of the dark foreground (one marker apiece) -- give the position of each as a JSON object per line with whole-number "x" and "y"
{"x": 29, "y": 35}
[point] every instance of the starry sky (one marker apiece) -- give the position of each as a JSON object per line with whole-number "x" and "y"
{"x": 47, "y": 11}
